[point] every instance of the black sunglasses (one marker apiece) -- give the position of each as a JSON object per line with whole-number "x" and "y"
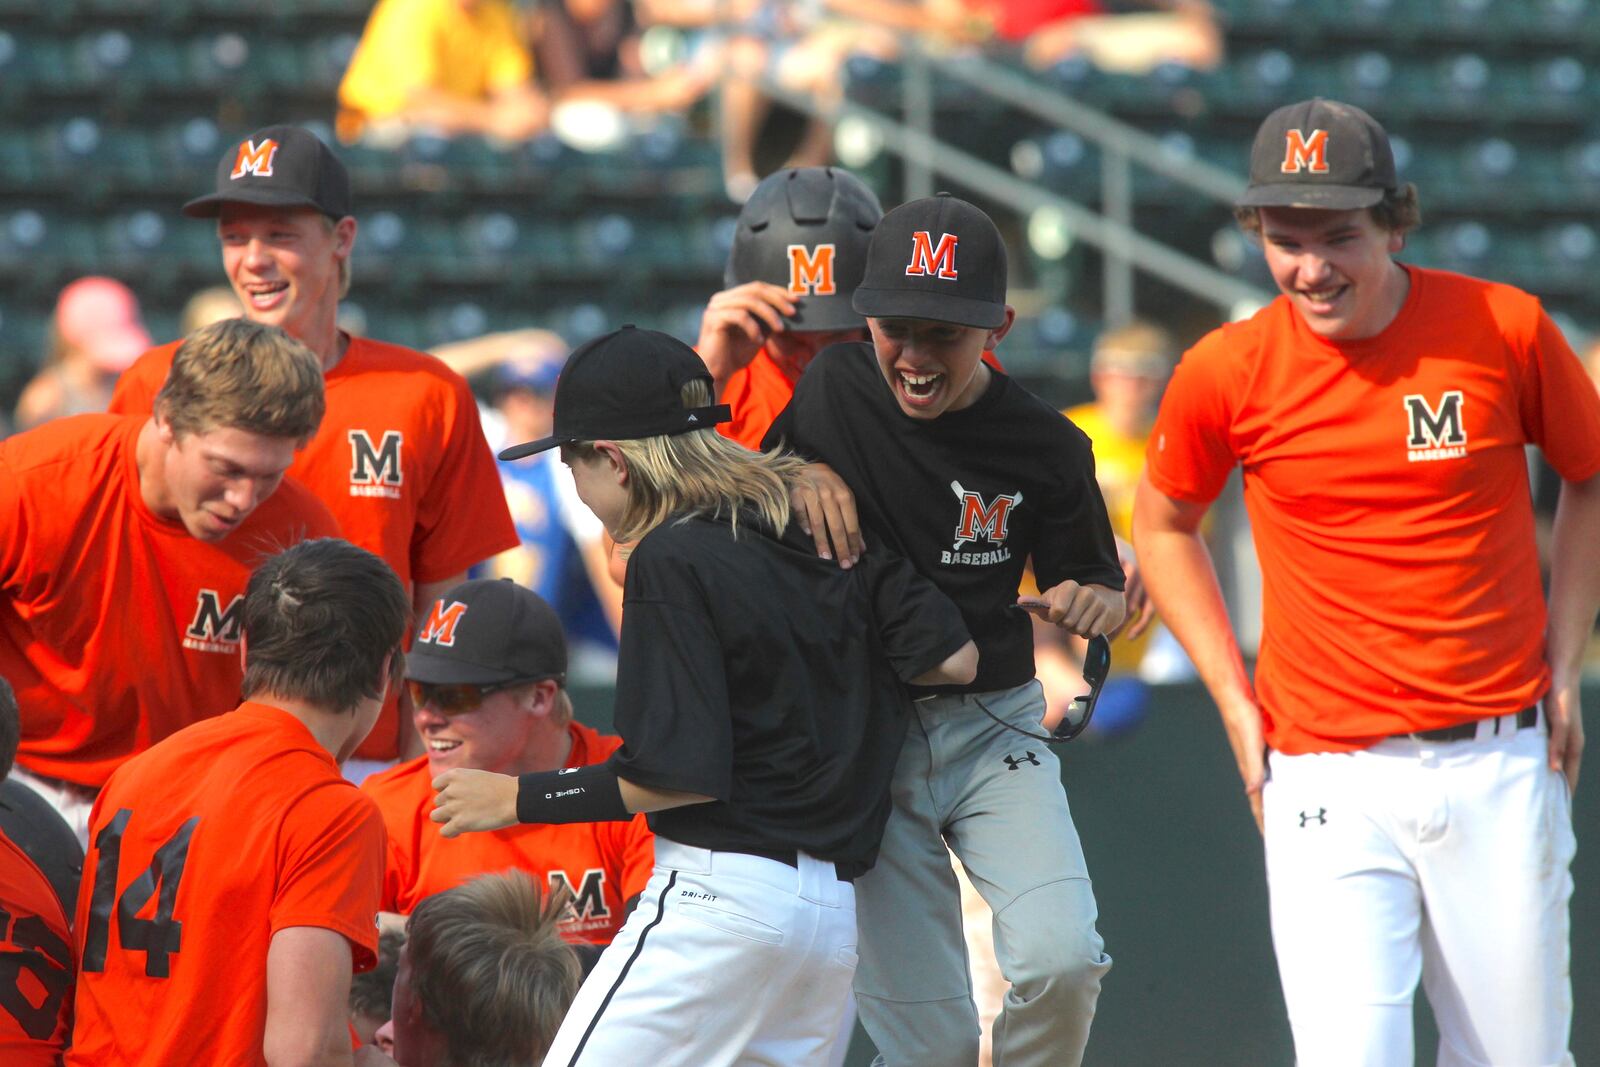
{"x": 458, "y": 697}
{"x": 1096, "y": 668}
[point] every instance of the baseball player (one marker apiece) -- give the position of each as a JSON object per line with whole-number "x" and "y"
{"x": 36, "y": 1010}
{"x": 1415, "y": 695}
{"x": 401, "y": 458}
{"x": 968, "y": 476}
{"x": 125, "y": 545}
{"x": 234, "y": 874}
{"x": 486, "y": 673}
{"x": 760, "y": 720}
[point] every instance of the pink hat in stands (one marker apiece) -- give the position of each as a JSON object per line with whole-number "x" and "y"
{"x": 101, "y": 317}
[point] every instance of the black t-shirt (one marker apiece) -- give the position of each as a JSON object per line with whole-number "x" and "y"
{"x": 967, "y": 498}
{"x": 753, "y": 672}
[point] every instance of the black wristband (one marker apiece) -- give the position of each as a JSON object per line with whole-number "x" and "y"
{"x": 577, "y": 794}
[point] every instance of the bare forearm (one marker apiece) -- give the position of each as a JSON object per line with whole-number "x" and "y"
{"x": 1182, "y": 581}
{"x": 1574, "y": 577}
{"x": 643, "y": 798}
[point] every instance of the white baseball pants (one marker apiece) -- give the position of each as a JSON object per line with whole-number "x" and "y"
{"x": 727, "y": 960}
{"x": 1448, "y": 860}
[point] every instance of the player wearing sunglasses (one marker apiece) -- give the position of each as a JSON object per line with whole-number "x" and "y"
{"x": 486, "y": 677}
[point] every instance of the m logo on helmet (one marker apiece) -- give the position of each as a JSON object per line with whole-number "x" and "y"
{"x": 215, "y": 629}
{"x": 811, "y": 270}
{"x": 928, "y": 259}
{"x": 440, "y": 629}
{"x": 1302, "y": 153}
{"x": 255, "y": 159}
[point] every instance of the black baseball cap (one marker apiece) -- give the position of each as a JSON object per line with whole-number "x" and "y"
{"x": 1320, "y": 154}
{"x": 807, "y": 229}
{"x": 938, "y": 258}
{"x": 625, "y": 386}
{"x": 486, "y": 631}
{"x": 280, "y": 166}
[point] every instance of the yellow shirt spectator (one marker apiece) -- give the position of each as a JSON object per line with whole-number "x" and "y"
{"x": 434, "y": 62}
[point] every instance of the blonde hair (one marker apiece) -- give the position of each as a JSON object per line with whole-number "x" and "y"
{"x": 243, "y": 375}
{"x": 700, "y": 474}
{"x": 1139, "y": 347}
{"x": 490, "y": 969}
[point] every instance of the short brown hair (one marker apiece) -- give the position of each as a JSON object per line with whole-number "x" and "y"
{"x": 490, "y": 970}
{"x": 1398, "y": 212}
{"x": 320, "y": 618}
{"x": 243, "y": 375}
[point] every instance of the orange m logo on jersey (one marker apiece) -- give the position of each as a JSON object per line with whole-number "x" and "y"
{"x": 1305, "y": 153}
{"x": 926, "y": 259}
{"x": 811, "y": 270}
{"x": 983, "y": 518}
{"x": 440, "y": 629}
{"x": 255, "y": 159}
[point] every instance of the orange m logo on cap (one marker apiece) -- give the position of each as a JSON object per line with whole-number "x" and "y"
{"x": 1305, "y": 153}
{"x": 926, "y": 259}
{"x": 811, "y": 270}
{"x": 440, "y": 629}
{"x": 255, "y": 159}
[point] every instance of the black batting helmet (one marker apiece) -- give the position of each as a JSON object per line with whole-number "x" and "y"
{"x": 807, "y": 229}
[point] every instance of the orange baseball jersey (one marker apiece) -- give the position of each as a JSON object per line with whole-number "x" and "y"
{"x": 1388, "y": 494}
{"x": 758, "y": 391}
{"x": 117, "y": 627}
{"x": 400, "y": 460}
{"x": 36, "y": 965}
{"x": 604, "y": 863}
{"x": 201, "y": 849}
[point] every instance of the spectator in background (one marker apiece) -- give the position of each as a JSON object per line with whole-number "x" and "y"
{"x": 207, "y": 306}
{"x": 34, "y": 939}
{"x": 588, "y": 53}
{"x": 443, "y": 66}
{"x": 372, "y": 995}
{"x": 1111, "y": 37}
{"x": 484, "y": 977}
{"x": 96, "y": 334}
{"x": 563, "y": 555}
{"x": 487, "y": 677}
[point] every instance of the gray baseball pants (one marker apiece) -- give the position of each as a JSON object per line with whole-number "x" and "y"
{"x": 995, "y": 799}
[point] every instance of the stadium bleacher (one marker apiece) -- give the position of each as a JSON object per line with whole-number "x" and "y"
{"x": 116, "y": 113}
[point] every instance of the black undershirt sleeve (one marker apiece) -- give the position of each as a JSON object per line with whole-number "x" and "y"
{"x": 919, "y": 626}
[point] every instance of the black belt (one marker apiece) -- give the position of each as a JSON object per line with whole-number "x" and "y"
{"x": 1466, "y": 731}
{"x": 846, "y": 872}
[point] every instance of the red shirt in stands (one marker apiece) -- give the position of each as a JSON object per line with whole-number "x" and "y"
{"x": 36, "y": 983}
{"x": 604, "y": 864}
{"x": 117, "y": 628}
{"x": 402, "y": 462}
{"x": 1388, "y": 495}
{"x": 202, "y": 849}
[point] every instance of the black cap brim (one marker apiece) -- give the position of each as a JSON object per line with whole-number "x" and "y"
{"x": 210, "y": 205}
{"x": 451, "y": 670}
{"x": 936, "y": 307}
{"x": 530, "y": 448}
{"x": 825, "y": 313}
{"x": 1304, "y": 194}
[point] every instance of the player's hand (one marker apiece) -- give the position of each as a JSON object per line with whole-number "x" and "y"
{"x": 469, "y": 800}
{"x": 826, "y": 509}
{"x": 737, "y": 323}
{"x": 1563, "y": 710}
{"x": 1242, "y": 721}
{"x": 1085, "y": 610}
{"x": 1141, "y": 610}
